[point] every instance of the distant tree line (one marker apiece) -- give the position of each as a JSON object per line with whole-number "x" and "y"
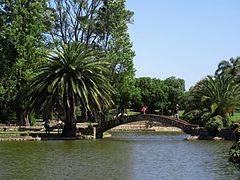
{"x": 158, "y": 95}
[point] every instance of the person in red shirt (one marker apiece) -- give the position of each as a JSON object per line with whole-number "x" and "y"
{"x": 143, "y": 109}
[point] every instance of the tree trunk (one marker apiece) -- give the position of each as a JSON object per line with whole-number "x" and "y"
{"x": 69, "y": 129}
{"x": 26, "y": 118}
{"x": 22, "y": 115}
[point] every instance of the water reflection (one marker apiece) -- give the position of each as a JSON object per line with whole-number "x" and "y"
{"x": 123, "y": 156}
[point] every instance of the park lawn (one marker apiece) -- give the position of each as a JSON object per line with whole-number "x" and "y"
{"x": 235, "y": 117}
{"x": 7, "y": 137}
{"x": 13, "y": 132}
{"x": 181, "y": 113}
{"x": 131, "y": 112}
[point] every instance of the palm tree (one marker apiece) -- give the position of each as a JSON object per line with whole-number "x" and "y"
{"x": 231, "y": 67}
{"x": 73, "y": 75}
{"x": 221, "y": 92}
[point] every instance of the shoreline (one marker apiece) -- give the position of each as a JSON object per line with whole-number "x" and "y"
{"x": 37, "y": 133}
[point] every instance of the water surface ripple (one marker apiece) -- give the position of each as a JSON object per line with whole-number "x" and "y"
{"x": 124, "y": 156}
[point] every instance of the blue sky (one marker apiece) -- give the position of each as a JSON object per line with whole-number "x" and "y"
{"x": 183, "y": 38}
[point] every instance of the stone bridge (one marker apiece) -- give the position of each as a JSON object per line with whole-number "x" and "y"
{"x": 164, "y": 120}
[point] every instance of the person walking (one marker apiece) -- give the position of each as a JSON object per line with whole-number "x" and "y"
{"x": 176, "y": 112}
{"x": 143, "y": 109}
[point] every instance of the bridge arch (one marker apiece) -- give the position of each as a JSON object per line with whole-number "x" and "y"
{"x": 164, "y": 120}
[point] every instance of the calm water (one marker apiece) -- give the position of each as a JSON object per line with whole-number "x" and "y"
{"x": 123, "y": 156}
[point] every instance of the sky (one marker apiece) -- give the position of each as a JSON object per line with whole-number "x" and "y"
{"x": 183, "y": 38}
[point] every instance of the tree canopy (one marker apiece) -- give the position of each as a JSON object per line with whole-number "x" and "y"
{"x": 158, "y": 94}
{"x": 215, "y": 95}
{"x": 73, "y": 75}
{"x": 30, "y": 29}
{"x": 20, "y": 48}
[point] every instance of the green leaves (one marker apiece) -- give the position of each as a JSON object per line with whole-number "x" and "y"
{"x": 74, "y": 75}
{"x": 234, "y": 154}
{"x": 222, "y": 93}
{"x": 99, "y": 25}
{"x": 231, "y": 67}
{"x": 215, "y": 124}
{"x": 21, "y": 46}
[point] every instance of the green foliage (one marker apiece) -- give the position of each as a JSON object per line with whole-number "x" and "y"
{"x": 235, "y": 117}
{"x": 192, "y": 116}
{"x": 227, "y": 121}
{"x": 131, "y": 112}
{"x": 200, "y": 117}
{"x": 32, "y": 119}
{"x": 114, "y": 16}
{"x": 234, "y": 154}
{"x": 90, "y": 125}
{"x": 215, "y": 124}
{"x": 221, "y": 92}
{"x": 205, "y": 117}
{"x": 153, "y": 93}
{"x": 20, "y": 48}
{"x": 101, "y": 25}
{"x": 236, "y": 129}
{"x": 158, "y": 94}
{"x": 73, "y": 75}
{"x": 37, "y": 25}
{"x": 176, "y": 88}
{"x": 235, "y": 126}
{"x": 231, "y": 67}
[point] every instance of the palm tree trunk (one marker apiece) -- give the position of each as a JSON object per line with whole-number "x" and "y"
{"x": 70, "y": 119}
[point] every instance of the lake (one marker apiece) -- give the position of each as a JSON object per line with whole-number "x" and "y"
{"x": 125, "y": 156}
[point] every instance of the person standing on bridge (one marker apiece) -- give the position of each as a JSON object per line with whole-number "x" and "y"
{"x": 176, "y": 112}
{"x": 144, "y": 109}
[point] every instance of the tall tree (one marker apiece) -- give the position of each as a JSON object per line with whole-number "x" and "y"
{"x": 73, "y": 75}
{"x": 176, "y": 88}
{"x": 220, "y": 93}
{"x": 74, "y": 21}
{"x": 21, "y": 46}
{"x": 153, "y": 93}
{"x": 101, "y": 25}
{"x": 231, "y": 67}
{"x": 114, "y": 18}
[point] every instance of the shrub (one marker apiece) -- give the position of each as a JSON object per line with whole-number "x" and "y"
{"x": 192, "y": 116}
{"x": 235, "y": 126}
{"x": 32, "y": 119}
{"x": 234, "y": 154}
{"x": 226, "y": 121}
{"x": 214, "y": 125}
{"x": 199, "y": 117}
{"x": 90, "y": 125}
{"x": 236, "y": 129}
{"x": 206, "y": 116}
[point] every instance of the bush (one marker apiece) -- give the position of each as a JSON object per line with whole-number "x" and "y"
{"x": 192, "y": 116}
{"x": 90, "y": 125}
{"x": 199, "y": 117}
{"x": 236, "y": 129}
{"x": 235, "y": 126}
{"x": 234, "y": 154}
{"x": 214, "y": 125}
{"x": 206, "y": 116}
{"x": 226, "y": 121}
{"x": 32, "y": 119}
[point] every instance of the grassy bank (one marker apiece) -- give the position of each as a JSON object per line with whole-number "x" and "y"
{"x": 235, "y": 117}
